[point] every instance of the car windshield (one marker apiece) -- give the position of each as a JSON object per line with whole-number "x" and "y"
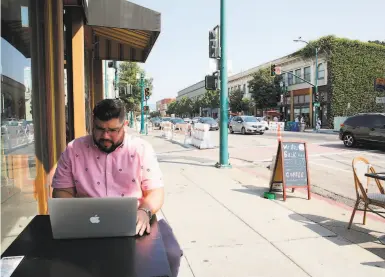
{"x": 250, "y": 119}
{"x": 166, "y": 119}
{"x": 178, "y": 120}
{"x": 208, "y": 120}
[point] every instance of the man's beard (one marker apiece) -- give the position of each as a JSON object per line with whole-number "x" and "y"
{"x": 105, "y": 149}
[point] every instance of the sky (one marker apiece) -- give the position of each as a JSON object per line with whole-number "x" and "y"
{"x": 257, "y": 32}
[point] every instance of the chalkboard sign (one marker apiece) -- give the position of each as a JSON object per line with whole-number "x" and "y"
{"x": 291, "y": 167}
{"x": 294, "y": 163}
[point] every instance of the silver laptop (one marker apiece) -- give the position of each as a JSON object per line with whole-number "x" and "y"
{"x": 93, "y": 217}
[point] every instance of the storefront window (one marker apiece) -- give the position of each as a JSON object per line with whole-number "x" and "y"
{"x": 18, "y": 163}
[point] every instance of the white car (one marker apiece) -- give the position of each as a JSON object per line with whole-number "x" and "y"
{"x": 263, "y": 122}
{"x": 246, "y": 125}
{"x": 187, "y": 120}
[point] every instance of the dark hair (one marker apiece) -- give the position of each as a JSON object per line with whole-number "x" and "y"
{"x": 108, "y": 109}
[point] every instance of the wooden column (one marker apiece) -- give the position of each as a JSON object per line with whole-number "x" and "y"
{"x": 98, "y": 81}
{"x": 78, "y": 77}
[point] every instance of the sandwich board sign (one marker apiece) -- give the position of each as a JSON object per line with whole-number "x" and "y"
{"x": 291, "y": 167}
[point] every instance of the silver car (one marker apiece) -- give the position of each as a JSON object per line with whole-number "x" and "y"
{"x": 246, "y": 125}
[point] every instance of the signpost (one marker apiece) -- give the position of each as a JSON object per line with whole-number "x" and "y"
{"x": 291, "y": 167}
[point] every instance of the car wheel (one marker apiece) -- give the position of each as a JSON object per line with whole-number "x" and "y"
{"x": 261, "y": 133}
{"x": 349, "y": 140}
{"x": 243, "y": 131}
{"x": 231, "y": 130}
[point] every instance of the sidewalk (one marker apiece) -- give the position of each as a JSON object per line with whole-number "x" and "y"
{"x": 227, "y": 229}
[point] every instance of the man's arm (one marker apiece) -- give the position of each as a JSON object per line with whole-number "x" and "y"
{"x": 62, "y": 183}
{"x": 153, "y": 199}
{"x": 152, "y": 188}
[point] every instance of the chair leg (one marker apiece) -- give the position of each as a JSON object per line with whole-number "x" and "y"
{"x": 353, "y": 213}
{"x": 366, "y": 207}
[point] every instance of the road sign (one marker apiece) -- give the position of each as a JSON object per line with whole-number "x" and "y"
{"x": 379, "y": 84}
{"x": 380, "y": 100}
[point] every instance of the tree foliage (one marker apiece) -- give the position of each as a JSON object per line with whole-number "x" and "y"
{"x": 265, "y": 90}
{"x": 352, "y": 68}
{"x": 236, "y": 100}
{"x": 128, "y": 72}
{"x": 210, "y": 99}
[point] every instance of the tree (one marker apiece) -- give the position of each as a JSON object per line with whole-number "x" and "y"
{"x": 127, "y": 76}
{"x": 246, "y": 104}
{"x": 377, "y": 42}
{"x": 211, "y": 99}
{"x": 196, "y": 105}
{"x": 154, "y": 114}
{"x": 235, "y": 100}
{"x": 172, "y": 108}
{"x": 265, "y": 90}
{"x": 185, "y": 106}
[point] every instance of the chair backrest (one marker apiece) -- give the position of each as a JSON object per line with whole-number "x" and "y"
{"x": 361, "y": 166}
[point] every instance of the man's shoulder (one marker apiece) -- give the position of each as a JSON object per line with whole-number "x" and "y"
{"x": 80, "y": 143}
{"x": 138, "y": 144}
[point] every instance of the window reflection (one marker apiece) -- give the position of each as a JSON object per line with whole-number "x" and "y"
{"x": 18, "y": 166}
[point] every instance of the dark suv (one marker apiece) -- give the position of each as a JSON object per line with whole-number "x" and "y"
{"x": 363, "y": 129}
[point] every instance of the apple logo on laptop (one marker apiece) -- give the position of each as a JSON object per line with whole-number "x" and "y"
{"x": 94, "y": 219}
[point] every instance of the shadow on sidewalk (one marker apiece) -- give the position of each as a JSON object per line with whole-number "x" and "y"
{"x": 254, "y": 190}
{"x": 356, "y": 235}
{"x": 360, "y": 148}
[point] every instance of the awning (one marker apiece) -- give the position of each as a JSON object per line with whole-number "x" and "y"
{"x": 123, "y": 31}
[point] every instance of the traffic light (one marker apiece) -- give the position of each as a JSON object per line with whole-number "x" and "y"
{"x": 211, "y": 82}
{"x": 213, "y": 44}
{"x": 147, "y": 92}
{"x": 272, "y": 70}
{"x": 315, "y": 95}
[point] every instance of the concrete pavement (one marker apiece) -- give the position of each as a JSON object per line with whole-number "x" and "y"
{"x": 226, "y": 228}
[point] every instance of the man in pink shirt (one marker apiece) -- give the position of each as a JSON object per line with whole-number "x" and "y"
{"x": 110, "y": 163}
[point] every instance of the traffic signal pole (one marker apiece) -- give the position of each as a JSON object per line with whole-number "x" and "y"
{"x": 316, "y": 99}
{"x": 223, "y": 129}
{"x": 142, "y": 131}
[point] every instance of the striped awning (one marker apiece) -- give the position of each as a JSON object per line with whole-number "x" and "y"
{"x": 122, "y": 30}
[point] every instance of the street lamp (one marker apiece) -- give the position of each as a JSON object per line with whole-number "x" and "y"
{"x": 315, "y": 100}
{"x": 141, "y": 84}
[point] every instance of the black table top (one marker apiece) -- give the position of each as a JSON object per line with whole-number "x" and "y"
{"x": 378, "y": 175}
{"x": 101, "y": 257}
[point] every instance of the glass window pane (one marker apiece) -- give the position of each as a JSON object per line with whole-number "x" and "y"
{"x": 290, "y": 78}
{"x": 321, "y": 71}
{"x": 299, "y": 74}
{"x": 18, "y": 162}
{"x": 307, "y": 73}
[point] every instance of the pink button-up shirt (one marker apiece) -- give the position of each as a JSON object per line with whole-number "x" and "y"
{"x": 128, "y": 171}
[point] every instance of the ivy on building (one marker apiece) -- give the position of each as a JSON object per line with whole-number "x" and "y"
{"x": 352, "y": 68}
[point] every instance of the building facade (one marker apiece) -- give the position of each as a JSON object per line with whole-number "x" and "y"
{"x": 52, "y": 54}
{"x": 162, "y": 105}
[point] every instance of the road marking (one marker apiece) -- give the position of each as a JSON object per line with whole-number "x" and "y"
{"x": 330, "y": 167}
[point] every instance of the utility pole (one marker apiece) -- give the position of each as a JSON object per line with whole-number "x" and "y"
{"x": 142, "y": 131}
{"x": 316, "y": 96}
{"x": 223, "y": 130}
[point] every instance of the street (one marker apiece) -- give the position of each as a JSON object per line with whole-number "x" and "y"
{"x": 329, "y": 160}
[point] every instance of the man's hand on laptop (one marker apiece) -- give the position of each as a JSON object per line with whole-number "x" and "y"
{"x": 142, "y": 223}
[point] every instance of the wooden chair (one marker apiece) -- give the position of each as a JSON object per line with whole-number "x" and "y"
{"x": 361, "y": 166}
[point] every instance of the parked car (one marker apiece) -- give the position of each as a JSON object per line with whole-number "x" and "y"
{"x": 195, "y": 119}
{"x": 245, "y": 125}
{"x": 164, "y": 119}
{"x": 156, "y": 122}
{"x": 264, "y": 123}
{"x": 177, "y": 120}
{"x": 210, "y": 121}
{"x": 187, "y": 120}
{"x": 363, "y": 129}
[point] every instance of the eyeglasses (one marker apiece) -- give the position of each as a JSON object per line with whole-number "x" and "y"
{"x": 111, "y": 132}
